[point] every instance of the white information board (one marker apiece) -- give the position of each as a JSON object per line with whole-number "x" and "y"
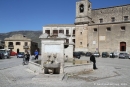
{"x": 52, "y": 49}
{"x": 94, "y": 42}
{"x": 102, "y": 38}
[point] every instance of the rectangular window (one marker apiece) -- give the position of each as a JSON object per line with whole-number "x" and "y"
{"x": 95, "y": 29}
{"x": 113, "y": 19}
{"x": 10, "y": 43}
{"x": 26, "y": 43}
{"x": 125, "y": 18}
{"x": 74, "y": 40}
{"x": 122, "y": 28}
{"x": 17, "y": 43}
{"x": 108, "y": 29}
{"x": 67, "y": 32}
{"x": 47, "y": 31}
{"x": 101, "y": 20}
{"x": 55, "y": 32}
{"x": 80, "y": 33}
{"x": 73, "y": 32}
{"x": 61, "y": 31}
{"x": 80, "y": 43}
{"x": 67, "y": 40}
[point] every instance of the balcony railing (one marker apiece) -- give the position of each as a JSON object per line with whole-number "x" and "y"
{"x": 68, "y": 35}
{"x": 73, "y": 35}
{"x": 10, "y": 46}
{"x": 26, "y": 47}
{"x": 55, "y": 33}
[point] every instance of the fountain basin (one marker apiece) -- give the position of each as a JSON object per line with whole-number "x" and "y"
{"x": 54, "y": 65}
{"x": 53, "y": 68}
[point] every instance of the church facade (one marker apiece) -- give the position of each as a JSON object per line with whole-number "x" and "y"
{"x": 104, "y": 29}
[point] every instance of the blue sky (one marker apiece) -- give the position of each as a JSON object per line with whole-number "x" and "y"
{"x": 18, "y": 15}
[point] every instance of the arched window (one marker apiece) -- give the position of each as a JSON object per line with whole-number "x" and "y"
{"x": 81, "y": 8}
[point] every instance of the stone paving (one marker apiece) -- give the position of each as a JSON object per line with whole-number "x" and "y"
{"x": 107, "y": 75}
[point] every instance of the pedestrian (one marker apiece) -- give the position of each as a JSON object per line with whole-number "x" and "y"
{"x": 36, "y": 53}
{"x": 92, "y": 59}
{"x": 27, "y": 56}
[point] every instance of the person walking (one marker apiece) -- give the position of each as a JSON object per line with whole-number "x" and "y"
{"x": 26, "y": 58}
{"x": 27, "y": 55}
{"x": 92, "y": 59}
{"x": 36, "y": 54}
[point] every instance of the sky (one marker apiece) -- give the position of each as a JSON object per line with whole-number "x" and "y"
{"x": 17, "y": 15}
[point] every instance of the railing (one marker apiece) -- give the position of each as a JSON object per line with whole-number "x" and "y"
{"x": 26, "y": 47}
{"x": 10, "y": 47}
{"x": 73, "y": 35}
{"x": 68, "y": 35}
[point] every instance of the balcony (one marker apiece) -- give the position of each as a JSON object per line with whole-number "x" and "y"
{"x": 10, "y": 46}
{"x": 73, "y": 35}
{"x": 55, "y": 34}
{"x": 68, "y": 35}
{"x": 25, "y": 47}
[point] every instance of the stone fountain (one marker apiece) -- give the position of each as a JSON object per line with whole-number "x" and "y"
{"x": 51, "y": 66}
{"x": 52, "y": 55}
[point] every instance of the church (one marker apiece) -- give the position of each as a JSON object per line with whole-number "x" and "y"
{"x": 105, "y": 29}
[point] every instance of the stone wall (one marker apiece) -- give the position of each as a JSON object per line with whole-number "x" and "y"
{"x": 81, "y": 37}
{"x": 69, "y": 52}
{"x": 108, "y": 40}
{"x": 107, "y": 13}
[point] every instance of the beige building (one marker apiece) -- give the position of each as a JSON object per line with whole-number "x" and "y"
{"x": 104, "y": 29}
{"x": 20, "y": 43}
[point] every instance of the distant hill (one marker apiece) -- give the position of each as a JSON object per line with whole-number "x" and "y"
{"x": 33, "y": 35}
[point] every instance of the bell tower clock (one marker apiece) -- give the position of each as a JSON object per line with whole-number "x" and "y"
{"x": 83, "y": 18}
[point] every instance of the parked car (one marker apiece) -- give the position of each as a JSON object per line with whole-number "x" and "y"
{"x": 12, "y": 53}
{"x": 82, "y": 53}
{"x": 88, "y": 54}
{"x": 1, "y": 55}
{"x": 105, "y": 54}
{"x": 5, "y": 52}
{"x": 96, "y": 54}
{"x": 112, "y": 55}
{"x": 124, "y": 55}
{"x": 20, "y": 55}
{"x": 76, "y": 55}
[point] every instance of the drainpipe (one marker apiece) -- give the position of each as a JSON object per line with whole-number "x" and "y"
{"x": 98, "y": 38}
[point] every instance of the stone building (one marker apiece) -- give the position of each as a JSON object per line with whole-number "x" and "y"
{"x": 104, "y": 29}
{"x": 20, "y": 43}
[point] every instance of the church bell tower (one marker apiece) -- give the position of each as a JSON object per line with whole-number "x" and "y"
{"x": 83, "y": 18}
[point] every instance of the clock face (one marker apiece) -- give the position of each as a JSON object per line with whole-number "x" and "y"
{"x": 81, "y": 8}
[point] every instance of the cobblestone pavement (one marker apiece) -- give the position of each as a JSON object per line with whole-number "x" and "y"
{"x": 110, "y": 73}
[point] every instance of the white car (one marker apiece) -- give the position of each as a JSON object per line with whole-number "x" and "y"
{"x": 5, "y": 52}
{"x": 96, "y": 54}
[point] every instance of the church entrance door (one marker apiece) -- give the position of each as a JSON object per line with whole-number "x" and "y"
{"x": 122, "y": 46}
